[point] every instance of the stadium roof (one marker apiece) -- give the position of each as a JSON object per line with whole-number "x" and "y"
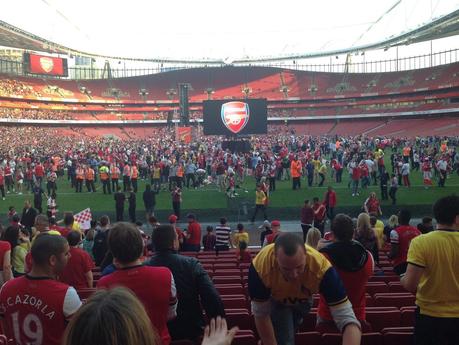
{"x": 238, "y": 31}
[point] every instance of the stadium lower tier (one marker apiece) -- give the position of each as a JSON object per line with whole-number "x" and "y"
{"x": 28, "y": 111}
{"x": 439, "y": 126}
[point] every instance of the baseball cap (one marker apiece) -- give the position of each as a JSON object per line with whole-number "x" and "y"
{"x": 275, "y": 223}
{"x": 190, "y": 216}
{"x": 266, "y": 224}
{"x": 173, "y": 219}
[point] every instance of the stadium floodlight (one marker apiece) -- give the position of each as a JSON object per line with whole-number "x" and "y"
{"x": 284, "y": 89}
{"x": 171, "y": 93}
{"x": 246, "y": 91}
{"x": 209, "y": 91}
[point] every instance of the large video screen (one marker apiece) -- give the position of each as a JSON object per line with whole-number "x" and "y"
{"x": 235, "y": 117}
{"x": 46, "y": 65}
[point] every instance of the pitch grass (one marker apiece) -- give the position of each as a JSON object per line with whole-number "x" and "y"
{"x": 214, "y": 203}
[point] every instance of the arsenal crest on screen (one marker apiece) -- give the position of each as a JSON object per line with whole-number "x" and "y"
{"x": 235, "y": 115}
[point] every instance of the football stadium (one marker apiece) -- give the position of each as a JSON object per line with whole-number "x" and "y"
{"x": 171, "y": 171}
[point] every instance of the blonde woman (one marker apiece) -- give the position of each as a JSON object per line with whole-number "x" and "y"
{"x": 313, "y": 238}
{"x": 117, "y": 317}
{"x": 392, "y": 223}
{"x": 365, "y": 234}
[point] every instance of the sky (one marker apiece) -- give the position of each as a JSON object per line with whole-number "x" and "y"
{"x": 218, "y": 29}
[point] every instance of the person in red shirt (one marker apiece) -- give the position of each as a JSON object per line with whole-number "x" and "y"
{"x": 78, "y": 272}
{"x": 42, "y": 306}
{"x": 330, "y": 202}
{"x": 400, "y": 239}
{"x": 176, "y": 195}
{"x": 372, "y": 205}
{"x": 276, "y": 231}
{"x": 5, "y": 262}
{"x": 307, "y": 218}
{"x": 354, "y": 265}
{"x": 319, "y": 214}
{"x": 39, "y": 173}
{"x": 193, "y": 234}
{"x": 153, "y": 286}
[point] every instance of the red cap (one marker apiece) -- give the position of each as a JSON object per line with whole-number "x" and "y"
{"x": 275, "y": 223}
{"x": 173, "y": 219}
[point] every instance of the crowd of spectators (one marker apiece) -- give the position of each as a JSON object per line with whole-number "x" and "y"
{"x": 36, "y": 114}
{"x": 13, "y": 87}
{"x": 167, "y": 292}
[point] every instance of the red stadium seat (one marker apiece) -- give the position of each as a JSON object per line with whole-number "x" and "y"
{"x": 85, "y": 293}
{"x": 243, "y": 320}
{"x": 408, "y": 316}
{"x": 309, "y": 338}
{"x": 382, "y": 319}
{"x": 367, "y": 308}
{"x": 376, "y": 287}
{"x": 398, "y": 338}
{"x": 234, "y": 302}
{"x": 227, "y": 273}
{"x": 398, "y": 329}
{"x": 227, "y": 280}
{"x": 208, "y": 266}
{"x": 396, "y": 287}
{"x": 394, "y": 299}
{"x": 230, "y": 289}
{"x": 244, "y": 265}
{"x": 309, "y": 322}
{"x": 245, "y": 337}
{"x": 226, "y": 265}
{"x": 193, "y": 254}
{"x": 385, "y": 279}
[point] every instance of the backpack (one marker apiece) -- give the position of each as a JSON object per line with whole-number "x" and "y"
{"x": 100, "y": 246}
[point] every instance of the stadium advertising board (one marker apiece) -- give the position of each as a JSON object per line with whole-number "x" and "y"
{"x": 47, "y": 65}
{"x": 235, "y": 117}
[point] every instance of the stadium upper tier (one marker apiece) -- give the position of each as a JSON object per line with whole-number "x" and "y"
{"x": 232, "y": 82}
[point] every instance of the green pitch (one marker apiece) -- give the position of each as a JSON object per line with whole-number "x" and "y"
{"x": 210, "y": 203}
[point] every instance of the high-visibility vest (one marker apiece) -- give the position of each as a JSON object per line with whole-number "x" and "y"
{"x": 179, "y": 172}
{"x": 115, "y": 172}
{"x": 80, "y": 174}
{"x": 156, "y": 174}
{"x": 134, "y": 172}
{"x": 90, "y": 174}
{"x": 103, "y": 171}
{"x": 127, "y": 170}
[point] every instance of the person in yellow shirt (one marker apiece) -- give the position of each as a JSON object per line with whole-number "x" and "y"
{"x": 260, "y": 203}
{"x": 240, "y": 236}
{"x": 322, "y": 173}
{"x": 316, "y": 163}
{"x": 281, "y": 281}
{"x": 433, "y": 274}
{"x": 378, "y": 227}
